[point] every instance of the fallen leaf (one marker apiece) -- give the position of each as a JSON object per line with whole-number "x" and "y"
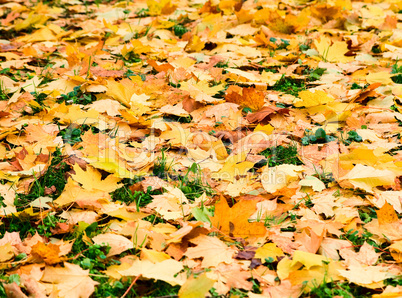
{"x": 386, "y": 214}
{"x": 165, "y": 271}
{"x": 250, "y": 98}
{"x": 234, "y": 221}
{"x": 117, "y": 243}
{"x": 196, "y": 287}
{"x": 269, "y": 250}
{"x": 68, "y": 281}
{"x": 212, "y": 250}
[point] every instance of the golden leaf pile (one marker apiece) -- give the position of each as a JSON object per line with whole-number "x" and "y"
{"x": 201, "y": 148}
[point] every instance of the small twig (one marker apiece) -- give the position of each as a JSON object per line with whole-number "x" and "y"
{"x": 129, "y": 288}
{"x": 78, "y": 254}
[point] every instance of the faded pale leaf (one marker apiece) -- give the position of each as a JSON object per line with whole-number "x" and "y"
{"x": 365, "y": 275}
{"x": 70, "y": 281}
{"x": 278, "y": 177}
{"x": 396, "y": 251}
{"x": 117, "y": 243}
{"x": 212, "y": 250}
{"x": 165, "y": 271}
{"x": 313, "y": 182}
{"x": 6, "y": 252}
{"x": 367, "y": 178}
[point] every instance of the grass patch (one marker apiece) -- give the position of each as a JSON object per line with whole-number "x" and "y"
{"x": 319, "y": 137}
{"x": 54, "y": 176}
{"x": 158, "y": 289}
{"x": 395, "y": 69}
{"x": 180, "y": 119}
{"x": 179, "y": 30}
{"x": 26, "y": 225}
{"x": 21, "y": 223}
{"x": 222, "y": 64}
{"x": 331, "y": 289}
{"x": 289, "y": 85}
{"x": 281, "y": 155}
{"x": 47, "y": 224}
{"x": 353, "y": 136}
{"x": 161, "y": 166}
{"x": 77, "y": 96}
{"x": 357, "y": 239}
{"x": 191, "y": 183}
{"x": 3, "y": 92}
{"x": 141, "y": 199}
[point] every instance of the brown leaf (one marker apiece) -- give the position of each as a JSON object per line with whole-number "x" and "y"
{"x": 262, "y": 116}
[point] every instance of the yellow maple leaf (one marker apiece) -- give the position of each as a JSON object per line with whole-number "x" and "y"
{"x": 312, "y": 98}
{"x": 365, "y": 276}
{"x": 49, "y": 253}
{"x": 367, "y": 178}
{"x": 153, "y": 255}
{"x": 382, "y": 77}
{"x": 267, "y": 129}
{"x": 196, "y": 287}
{"x": 234, "y": 166}
{"x": 250, "y": 98}
{"x": 195, "y": 44}
{"x": 122, "y": 91}
{"x": 307, "y": 259}
{"x": 177, "y": 134}
{"x": 73, "y": 193}
{"x": 332, "y": 52}
{"x": 32, "y": 19}
{"x": 136, "y": 47}
{"x": 6, "y": 252}
{"x": 160, "y": 7}
{"x": 315, "y": 183}
{"x": 269, "y": 250}
{"x": 92, "y": 179}
{"x": 112, "y": 165}
{"x": 396, "y": 251}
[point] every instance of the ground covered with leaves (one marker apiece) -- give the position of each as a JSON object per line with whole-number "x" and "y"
{"x": 167, "y": 148}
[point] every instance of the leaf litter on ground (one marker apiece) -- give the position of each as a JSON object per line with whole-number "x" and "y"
{"x": 201, "y": 148}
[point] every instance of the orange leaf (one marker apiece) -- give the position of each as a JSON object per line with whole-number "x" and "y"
{"x": 234, "y": 221}
{"x": 386, "y": 214}
{"x": 160, "y": 67}
{"x": 49, "y": 253}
